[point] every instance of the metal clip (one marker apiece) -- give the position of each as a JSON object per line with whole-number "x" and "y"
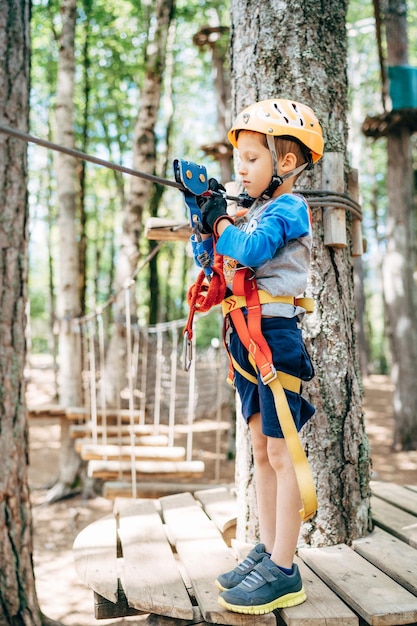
{"x": 270, "y": 376}
{"x": 187, "y": 352}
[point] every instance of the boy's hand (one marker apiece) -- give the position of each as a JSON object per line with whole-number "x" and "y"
{"x": 212, "y": 207}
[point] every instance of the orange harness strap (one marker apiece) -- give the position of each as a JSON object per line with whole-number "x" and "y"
{"x": 251, "y": 336}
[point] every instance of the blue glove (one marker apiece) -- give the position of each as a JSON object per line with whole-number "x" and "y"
{"x": 212, "y": 207}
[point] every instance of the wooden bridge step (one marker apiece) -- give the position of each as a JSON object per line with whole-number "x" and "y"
{"x": 378, "y": 599}
{"x": 46, "y": 410}
{"x": 112, "y": 430}
{"x": 140, "y": 440}
{"x": 91, "y": 452}
{"x": 78, "y": 412}
{"x": 113, "y": 489}
{"x": 113, "y": 469}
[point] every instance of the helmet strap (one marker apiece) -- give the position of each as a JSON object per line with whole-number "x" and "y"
{"x": 276, "y": 180}
{"x": 271, "y": 145}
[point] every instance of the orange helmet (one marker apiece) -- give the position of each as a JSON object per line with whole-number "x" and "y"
{"x": 279, "y": 117}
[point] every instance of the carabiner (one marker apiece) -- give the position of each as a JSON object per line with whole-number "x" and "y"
{"x": 187, "y": 352}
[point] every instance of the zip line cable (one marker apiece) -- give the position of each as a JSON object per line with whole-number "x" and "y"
{"x": 77, "y": 154}
{"x": 316, "y": 198}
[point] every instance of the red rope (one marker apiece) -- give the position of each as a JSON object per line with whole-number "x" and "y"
{"x": 204, "y": 293}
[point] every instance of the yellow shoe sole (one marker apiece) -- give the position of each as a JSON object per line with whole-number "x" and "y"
{"x": 219, "y": 586}
{"x": 284, "y": 602}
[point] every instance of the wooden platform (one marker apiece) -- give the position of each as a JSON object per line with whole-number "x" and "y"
{"x": 161, "y": 557}
{"x": 111, "y": 470}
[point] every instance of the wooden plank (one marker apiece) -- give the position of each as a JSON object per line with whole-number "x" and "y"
{"x": 140, "y": 440}
{"x": 151, "y": 579}
{"x": 113, "y": 469}
{"x": 220, "y": 505}
{"x": 204, "y": 556}
{"x": 46, "y": 410}
{"x": 322, "y": 607}
{"x": 379, "y": 600}
{"x": 95, "y": 557}
{"x": 90, "y": 452}
{"x": 391, "y": 555}
{"x": 123, "y": 489}
{"x": 397, "y": 495}
{"x": 112, "y": 430}
{"x": 104, "y": 609}
{"x": 334, "y": 219}
{"x": 395, "y": 521}
{"x": 159, "y": 620}
{"x": 161, "y": 229}
{"x": 82, "y": 412}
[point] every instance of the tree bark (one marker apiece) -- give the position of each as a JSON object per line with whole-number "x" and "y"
{"x": 297, "y": 50}
{"x": 399, "y": 261}
{"x": 18, "y": 601}
{"x": 144, "y": 160}
{"x": 68, "y": 305}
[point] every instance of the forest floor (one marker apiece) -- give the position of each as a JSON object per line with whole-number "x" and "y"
{"x": 61, "y": 594}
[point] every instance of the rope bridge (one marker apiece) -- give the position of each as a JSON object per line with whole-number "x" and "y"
{"x": 158, "y": 403}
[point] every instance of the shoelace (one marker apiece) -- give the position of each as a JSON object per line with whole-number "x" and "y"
{"x": 248, "y": 562}
{"x": 260, "y": 574}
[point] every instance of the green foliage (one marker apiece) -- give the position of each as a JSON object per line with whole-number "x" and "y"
{"x": 209, "y": 328}
{"x": 111, "y": 41}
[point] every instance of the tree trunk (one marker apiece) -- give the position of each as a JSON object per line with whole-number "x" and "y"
{"x": 144, "y": 160}
{"x": 18, "y": 601}
{"x": 297, "y": 50}
{"x": 68, "y": 294}
{"x": 399, "y": 262}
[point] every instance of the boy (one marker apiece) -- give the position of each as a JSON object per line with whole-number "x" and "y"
{"x": 276, "y": 139}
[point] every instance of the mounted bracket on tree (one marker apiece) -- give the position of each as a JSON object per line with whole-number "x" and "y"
{"x": 335, "y": 204}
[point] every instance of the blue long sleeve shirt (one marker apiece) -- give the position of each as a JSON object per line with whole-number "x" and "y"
{"x": 275, "y": 241}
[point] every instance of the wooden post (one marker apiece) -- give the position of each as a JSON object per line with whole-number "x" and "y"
{"x": 357, "y": 240}
{"x": 334, "y": 219}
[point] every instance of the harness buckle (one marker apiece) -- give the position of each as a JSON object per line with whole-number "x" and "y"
{"x": 269, "y": 376}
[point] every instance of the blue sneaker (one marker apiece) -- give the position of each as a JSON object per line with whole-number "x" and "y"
{"x": 264, "y": 589}
{"x": 239, "y": 573}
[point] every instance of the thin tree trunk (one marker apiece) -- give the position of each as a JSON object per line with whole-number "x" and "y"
{"x": 82, "y": 169}
{"x": 18, "y": 600}
{"x": 68, "y": 293}
{"x": 399, "y": 260}
{"x": 278, "y": 51}
{"x": 144, "y": 159}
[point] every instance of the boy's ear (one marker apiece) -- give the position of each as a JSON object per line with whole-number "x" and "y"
{"x": 288, "y": 162}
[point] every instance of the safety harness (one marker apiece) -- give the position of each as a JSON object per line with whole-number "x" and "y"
{"x": 202, "y": 295}
{"x": 248, "y": 326}
{"x": 209, "y": 290}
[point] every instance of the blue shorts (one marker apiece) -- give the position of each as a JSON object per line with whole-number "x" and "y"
{"x": 289, "y": 355}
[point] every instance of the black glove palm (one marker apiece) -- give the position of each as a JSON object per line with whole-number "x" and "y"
{"x": 212, "y": 207}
